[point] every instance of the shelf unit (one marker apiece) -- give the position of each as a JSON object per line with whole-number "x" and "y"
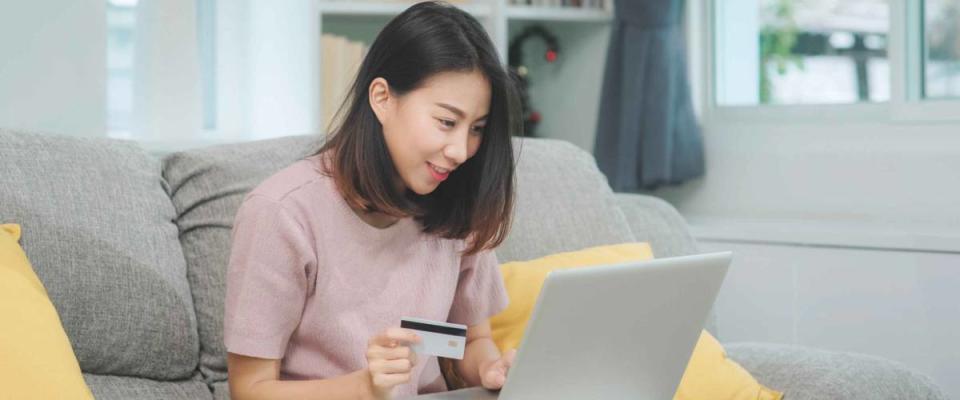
{"x": 566, "y": 92}
{"x": 527, "y": 13}
{"x": 385, "y": 9}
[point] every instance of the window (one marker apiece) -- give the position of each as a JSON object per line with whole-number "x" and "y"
{"x": 941, "y": 64}
{"x": 801, "y": 51}
{"x": 895, "y": 59}
{"x": 121, "y": 55}
{"x": 121, "y": 20}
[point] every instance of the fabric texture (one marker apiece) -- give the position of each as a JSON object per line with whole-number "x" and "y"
{"x": 38, "y": 362}
{"x": 206, "y": 187}
{"x": 655, "y": 221}
{"x": 806, "y": 374}
{"x": 97, "y": 227}
{"x": 221, "y": 390}
{"x": 563, "y": 203}
{"x": 111, "y": 387}
{"x": 310, "y": 282}
{"x": 709, "y": 373}
{"x": 647, "y": 133}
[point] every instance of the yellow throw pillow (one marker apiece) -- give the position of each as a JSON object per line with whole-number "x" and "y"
{"x": 38, "y": 361}
{"x": 709, "y": 374}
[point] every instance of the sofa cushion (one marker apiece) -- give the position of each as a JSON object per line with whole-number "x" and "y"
{"x": 655, "y": 221}
{"x": 563, "y": 203}
{"x": 207, "y": 186}
{"x": 98, "y": 229}
{"x": 37, "y": 358}
{"x": 221, "y": 391}
{"x": 806, "y": 374}
{"x": 107, "y": 387}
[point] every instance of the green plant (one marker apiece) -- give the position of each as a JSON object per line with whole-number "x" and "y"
{"x": 777, "y": 39}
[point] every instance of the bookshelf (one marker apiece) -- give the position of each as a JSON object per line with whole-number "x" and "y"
{"x": 385, "y": 9}
{"x": 566, "y": 92}
{"x": 532, "y": 13}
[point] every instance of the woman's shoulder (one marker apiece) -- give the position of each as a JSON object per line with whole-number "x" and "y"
{"x": 302, "y": 178}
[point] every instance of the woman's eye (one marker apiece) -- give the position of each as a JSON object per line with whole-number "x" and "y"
{"x": 478, "y": 130}
{"x": 447, "y": 123}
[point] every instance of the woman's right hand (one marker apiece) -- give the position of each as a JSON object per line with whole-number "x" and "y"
{"x": 390, "y": 360}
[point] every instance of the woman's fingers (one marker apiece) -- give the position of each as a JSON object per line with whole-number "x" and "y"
{"x": 392, "y": 366}
{"x": 390, "y": 380}
{"x": 496, "y": 374}
{"x": 392, "y": 353}
{"x": 509, "y": 357}
{"x": 390, "y": 359}
{"x": 394, "y": 337}
{"x": 402, "y": 335}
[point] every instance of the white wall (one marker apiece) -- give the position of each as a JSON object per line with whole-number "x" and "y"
{"x": 53, "y": 66}
{"x": 907, "y": 174}
{"x": 901, "y": 305}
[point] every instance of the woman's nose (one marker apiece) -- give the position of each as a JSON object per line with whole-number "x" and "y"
{"x": 456, "y": 149}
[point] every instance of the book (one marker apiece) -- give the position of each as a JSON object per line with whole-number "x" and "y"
{"x": 341, "y": 59}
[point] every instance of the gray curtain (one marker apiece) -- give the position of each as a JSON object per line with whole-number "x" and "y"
{"x": 647, "y": 134}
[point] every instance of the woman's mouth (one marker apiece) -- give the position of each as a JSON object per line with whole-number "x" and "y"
{"x": 440, "y": 174}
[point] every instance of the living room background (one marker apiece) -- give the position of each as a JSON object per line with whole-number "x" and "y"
{"x": 842, "y": 208}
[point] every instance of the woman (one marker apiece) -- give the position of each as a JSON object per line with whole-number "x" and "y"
{"x": 395, "y": 216}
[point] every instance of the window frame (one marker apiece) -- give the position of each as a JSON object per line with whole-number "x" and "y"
{"x": 905, "y": 54}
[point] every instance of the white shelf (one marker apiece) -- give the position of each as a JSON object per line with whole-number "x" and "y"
{"x": 386, "y": 9}
{"x": 477, "y": 9}
{"x": 566, "y": 14}
{"x": 582, "y": 32}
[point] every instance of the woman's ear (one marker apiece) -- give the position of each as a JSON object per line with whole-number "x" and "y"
{"x": 379, "y": 95}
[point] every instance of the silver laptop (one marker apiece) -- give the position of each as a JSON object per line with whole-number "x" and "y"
{"x": 622, "y": 331}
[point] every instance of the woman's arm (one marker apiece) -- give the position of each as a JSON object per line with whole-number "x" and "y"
{"x": 259, "y": 378}
{"x": 480, "y": 353}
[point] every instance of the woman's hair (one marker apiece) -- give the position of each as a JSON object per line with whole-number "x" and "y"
{"x": 476, "y": 202}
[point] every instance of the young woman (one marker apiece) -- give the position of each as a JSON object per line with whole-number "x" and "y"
{"x": 395, "y": 216}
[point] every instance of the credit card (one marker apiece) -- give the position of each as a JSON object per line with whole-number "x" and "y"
{"x": 441, "y": 339}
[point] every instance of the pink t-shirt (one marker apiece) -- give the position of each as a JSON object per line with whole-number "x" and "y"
{"x": 310, "y": 283}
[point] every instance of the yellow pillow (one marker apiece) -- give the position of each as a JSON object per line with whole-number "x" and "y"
{"x": 709, "y": 374}
{"x": 38, "y": 361}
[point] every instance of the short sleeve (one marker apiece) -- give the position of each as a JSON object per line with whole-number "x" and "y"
{"x": 266, "y": 281}
{"x": 480, "y": 290}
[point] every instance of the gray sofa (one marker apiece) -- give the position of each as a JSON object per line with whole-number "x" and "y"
{"x": 132, "y": 248}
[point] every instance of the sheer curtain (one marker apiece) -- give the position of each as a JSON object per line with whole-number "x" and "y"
{"x": 166, "y": 78}
{"x": 261, "y": 64}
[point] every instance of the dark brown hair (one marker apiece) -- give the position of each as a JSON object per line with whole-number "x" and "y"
{"x": 476, "y": 202}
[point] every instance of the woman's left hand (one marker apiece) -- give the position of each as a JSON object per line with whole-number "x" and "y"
{"x": 493, "y": 375}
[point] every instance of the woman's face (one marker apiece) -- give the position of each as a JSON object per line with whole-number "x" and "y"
{"x": 434, "y": 129}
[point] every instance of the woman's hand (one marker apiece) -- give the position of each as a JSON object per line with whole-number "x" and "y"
{"x": 494, "y": 374}
{"x": 390, "y": 360}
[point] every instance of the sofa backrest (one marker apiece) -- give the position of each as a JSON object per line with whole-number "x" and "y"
{"x": 655, "y": 221}
{"x": 563, "y": 203}
{"x": 206, "y": 187}
{"x": 98, "y": 228}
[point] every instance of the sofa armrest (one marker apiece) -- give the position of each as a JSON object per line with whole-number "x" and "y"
{"x": 803, "y": 373}
{"x": 657, "y": 222}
